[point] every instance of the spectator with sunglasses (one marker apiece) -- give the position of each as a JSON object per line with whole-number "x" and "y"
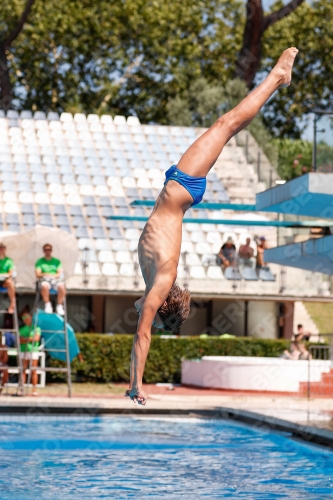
{"x": 49, "y": 272}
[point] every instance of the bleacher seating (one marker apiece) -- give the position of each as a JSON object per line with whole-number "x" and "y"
{"x": 73, "y": 172}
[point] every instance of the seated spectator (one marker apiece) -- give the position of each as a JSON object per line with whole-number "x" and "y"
{"x": 293, "y": 352}
{"x": 246, "y": 252}
{"x": 227, "y": 254}
{"x": 304, "y": 353}
{"x": 261, "y": 247}
{"x": 302, "y": 334}
{"x": 29, "y": 340}
{"x": 49, "y": 271}
{"x": 3, "y": 363}
{"x": 6, "y": 273}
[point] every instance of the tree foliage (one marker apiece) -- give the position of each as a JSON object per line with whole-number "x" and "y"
{"x": 125, "y": 57}
{"x": 310, "y": 29}
{"x": 137, "y": 56}
{"x": 249, "y": 58}
{"x": 294, "y": 157}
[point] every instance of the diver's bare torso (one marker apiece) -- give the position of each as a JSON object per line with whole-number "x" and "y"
{"x": 160, "y": 241}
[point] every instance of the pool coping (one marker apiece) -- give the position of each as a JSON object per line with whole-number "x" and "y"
{"x": 262, "y": 422}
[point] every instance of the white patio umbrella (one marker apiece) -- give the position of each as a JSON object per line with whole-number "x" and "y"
{"x": 27, "y": 247}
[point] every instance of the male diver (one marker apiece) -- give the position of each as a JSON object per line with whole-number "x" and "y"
{"x": 164, "y": 304}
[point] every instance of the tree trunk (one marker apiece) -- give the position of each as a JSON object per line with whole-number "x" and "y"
{"x": 249, "y": 58}
{"x": 5, "y": 85}
{"x": 250, "y": 55}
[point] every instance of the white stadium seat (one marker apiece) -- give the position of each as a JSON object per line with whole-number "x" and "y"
{"x": 102, "y": 244}
{"x": 80, "y": 118}
{"x": 192, "y": 259}
{"x": 119, "y": 120}
{"x": 197, "y": 272}
{"x": 101, "y": 190}
{"x": 9, "y": 196}
{"x": 203, "y": 247}
{"x": 132, "y": 234}
{"x": 78, "y": 269}
{"x": 113, "y": 181}
{"x": 123, "y": 257}
{"x": 187, "y": 246}
{"x": 74, "y": 199}
{"x": 58, "y": 199}
{"x": 144, "y": 182}
{"x": 157, "y": 183}
{"x": 105, "y": 256}
{"x": 119, "y": 245}
{"x": 25, "y": 197}
{"x": 110, "y": 269}
{"x": 11, "y": 208}
{"x": 128, "y": 182}
{"x": 215, "y": 273}
{"x": 133, "y": 247}
{"x": 66, "y": 117}
{"x": 213, "y": 237}
{"x": 126, "y": 270}
{"x": 133, "y": 120}
{"x": 86, "y": 190}
{"x": 117, "y": 191}
{"x": 197, "y": 236}
{"x": 42, "y": 198}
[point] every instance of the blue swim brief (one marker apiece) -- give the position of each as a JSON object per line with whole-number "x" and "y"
{"x": 196, "y": 186}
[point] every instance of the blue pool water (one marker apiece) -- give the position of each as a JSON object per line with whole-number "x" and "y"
{"x": 124, "y": 457}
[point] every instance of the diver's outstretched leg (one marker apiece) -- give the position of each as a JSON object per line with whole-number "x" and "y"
{"x": 201, "y": 156}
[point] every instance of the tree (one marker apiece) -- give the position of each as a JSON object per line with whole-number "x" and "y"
{"x": 122, "y": 57}
{"x": 294, "y": 157}
{"x": 249, "y": 58}
{"x": 5, "y": 43}
{"x": 310, "y": 29}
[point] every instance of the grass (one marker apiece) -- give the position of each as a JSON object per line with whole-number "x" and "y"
{"x": 322, "y": 315}
{"x": 87, "y": 389}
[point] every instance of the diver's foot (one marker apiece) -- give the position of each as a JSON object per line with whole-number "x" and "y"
{"x": 11, "y": 309}
{"x": 137, "y": 396}
{"x": 284, "y": 66}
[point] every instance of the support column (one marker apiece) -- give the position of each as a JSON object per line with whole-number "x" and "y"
{"x": 97, "y": 310}
{"x": 246, "y": 318}
{"x": 288, "y": 320}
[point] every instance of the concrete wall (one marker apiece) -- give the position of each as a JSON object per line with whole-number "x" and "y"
{"x": 262, "y": 319}
{"x": 120, "y": 314}
{"x": 196, "y": 322}
{"x": 228, "y": 317}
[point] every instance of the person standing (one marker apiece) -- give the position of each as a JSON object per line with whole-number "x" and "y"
{"x": 261, "y": 247}
{"x": 29, "y": 341}
{"x": 246, "y": 252}
{"x": 6, "y": 276}
{"x": 49, "y": 271}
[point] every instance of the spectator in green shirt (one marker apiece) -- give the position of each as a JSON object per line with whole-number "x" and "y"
{"x": 6, "y": 280}
{"x": 49, "y": 272}
{"x": 29, "y": 341}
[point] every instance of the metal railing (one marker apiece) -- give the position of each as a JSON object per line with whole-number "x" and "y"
{"x": 320, "y": 364}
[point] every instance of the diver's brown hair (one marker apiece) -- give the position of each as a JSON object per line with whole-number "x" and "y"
{"x": 175, "y": 309}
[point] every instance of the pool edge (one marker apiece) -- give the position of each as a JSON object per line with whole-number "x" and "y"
{"x": 307, "y": 433}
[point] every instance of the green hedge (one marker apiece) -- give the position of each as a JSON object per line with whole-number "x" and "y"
{"x": 106, "y": 357}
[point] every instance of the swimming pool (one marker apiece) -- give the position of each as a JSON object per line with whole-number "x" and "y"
{"x": 124, "y": 457}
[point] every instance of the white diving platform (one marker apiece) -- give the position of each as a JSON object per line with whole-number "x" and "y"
{"x": 251, "y": 373}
